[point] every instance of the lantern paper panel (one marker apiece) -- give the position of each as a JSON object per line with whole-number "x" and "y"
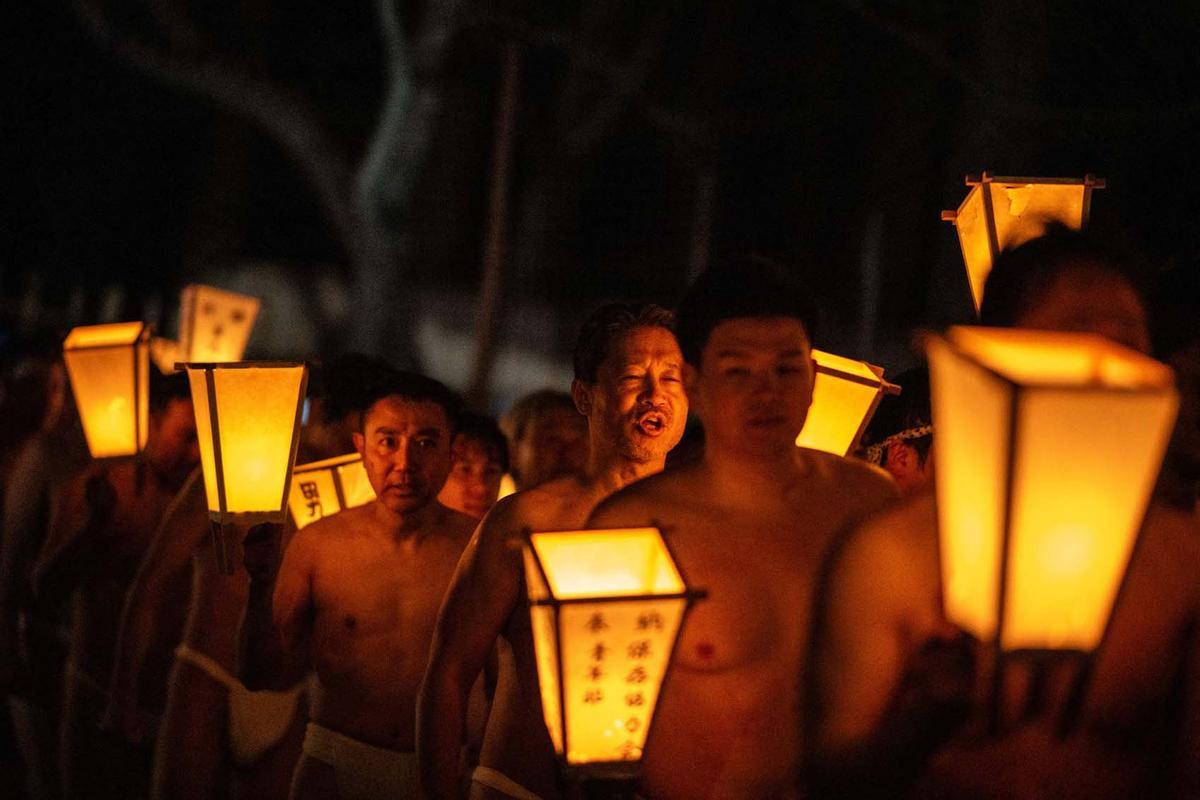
{"x": 606, "y": 608}
{"x": 322, "y": 488}
{"x": 109, "y": 369}
{"x": 1020, "y": 211}
{"x": 248, "y": 441}
{"x": 1048, "y": 448}
{"x": 845, "y": 396}
{"x": 215, "y": 324}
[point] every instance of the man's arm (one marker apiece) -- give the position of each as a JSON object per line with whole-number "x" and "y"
{"x": 877, "y": 705}
{"x": 279, "y": 613}
{"x": 184, "y": 526}
{"x": 482, "y": 595}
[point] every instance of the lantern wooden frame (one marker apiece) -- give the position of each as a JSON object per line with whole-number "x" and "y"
{"x": 334, "y": 466}
{"x": 189, "y": 298}
{"x": 881, "y": 386}
{"x": 616, "y": 770}
{"x": 223, "y": 515}
{"x": 139, "y": 347}
{"x": 984, "y": 183}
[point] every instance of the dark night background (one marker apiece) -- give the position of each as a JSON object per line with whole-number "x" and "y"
{"x": 253, "y": 145}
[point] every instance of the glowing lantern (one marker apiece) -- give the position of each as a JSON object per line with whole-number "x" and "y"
{"x": 248, "y": 424}
{"x": 214, "y": 324}
{"x": 164, "y": 353}
{"x": 845, "y": 396}
{"x": 322, "y": 488}
{"x": 999, "y": 213}
{"x": 109, "y": 367}
{"x": 1048, "y": 447}
{"x": 606, "y": 607}
{"x": 507, "y": 486}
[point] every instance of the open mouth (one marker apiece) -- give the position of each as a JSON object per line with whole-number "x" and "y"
{"x": 651, "y": 424}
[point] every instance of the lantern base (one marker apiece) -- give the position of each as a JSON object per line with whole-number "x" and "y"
{"x": 593, "y": 786}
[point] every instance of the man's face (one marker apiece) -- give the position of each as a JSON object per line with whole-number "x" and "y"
{"x": 474, "y": 482}
{"x": 1086, "y": 300}
{"x": 638, "y": 401}
{"x": 405, "y": 447}
{"x": 172, "y": 446}
{"x": 554, "y": 444}
{"x": 754, "y": 384}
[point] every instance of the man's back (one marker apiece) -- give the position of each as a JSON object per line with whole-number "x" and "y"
{"x": 730, "y": 703}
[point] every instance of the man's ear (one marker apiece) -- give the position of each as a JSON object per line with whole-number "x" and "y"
{"x": 900, "y": 458}
{"x": 360, "y": 442}
{"x": 582, "y": 397}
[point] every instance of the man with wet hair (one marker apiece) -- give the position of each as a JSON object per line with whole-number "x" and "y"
{"x": 748, "y": 521}
{"x": 547, "y": 437}
{"x": 629, "y": 387}
{"x": 356, "y": 597}
{"x": 892, "y": 701}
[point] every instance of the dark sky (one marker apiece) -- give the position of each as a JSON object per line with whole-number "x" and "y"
{"x": 812, "y": 117}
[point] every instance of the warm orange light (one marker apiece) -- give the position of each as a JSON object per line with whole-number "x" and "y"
{"x": 999, "y": 213}
{"x": 606, "y": 607}
{"x": 109, "y": 368}
{"x": 247, "y": 421}
{"x": 214, "y": 324}
{"x": 322, "y": 488}
{"x": 1048, "y": 446}
{"x": 507, "y": 486}
{"x": 845, "y": 396}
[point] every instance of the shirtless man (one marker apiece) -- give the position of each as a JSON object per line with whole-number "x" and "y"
{"x": 628, "y": 386}
{"x": 1176, "y": 317}
{"x": 356, "y": 597}
{"x": 100, "y": 532}
{"x": 480, "y": 461}
{"x": 892, "y": 683}
{"x": 748, "y": 522}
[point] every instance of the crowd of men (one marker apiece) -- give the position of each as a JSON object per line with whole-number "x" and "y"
{"x": 386, "y": 651}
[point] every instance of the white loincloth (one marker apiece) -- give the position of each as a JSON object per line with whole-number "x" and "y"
{"x": 494, "y": 779}
{"x": 364, "y": 771}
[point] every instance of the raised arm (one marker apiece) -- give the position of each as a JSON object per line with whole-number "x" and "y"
{"x": 277, "y": 627}
{"x": 886, "y": 685}
{"x": 184, "y": 526}
{"x": 482, "y": 595}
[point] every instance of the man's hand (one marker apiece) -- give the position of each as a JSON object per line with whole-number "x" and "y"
{"x": 938, "y": 684}
{"x": 260, "y": 551}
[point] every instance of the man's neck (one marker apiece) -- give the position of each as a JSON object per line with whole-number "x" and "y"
{"x": 412, "y": 524}
{"x": 608, "y": 473}
{"x": 751, "y": 479}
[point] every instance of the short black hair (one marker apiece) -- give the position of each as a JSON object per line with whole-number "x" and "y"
{"x": 527, "y": 408}
{"x": 1175, "y": 310}
{"x": 342, "y": 382}
{"x": 484, "y": 429}
{"x": 605, "y": 324}
{"x": 410, "y": 386}
{"x": 748, "y": 286}
{"x": 1021, "y": 274}
{"x": 165, "y": 388}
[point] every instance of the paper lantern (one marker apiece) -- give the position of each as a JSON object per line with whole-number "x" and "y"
{"x": 1048, "y": 446}
{"x": 109, "y": 368}
{"x": 214, "y": 324}
{"x": 999, "y": 213}
{"x": 606, "y": 607}
{"x": 322, "y": 488}
{"x": 248, "y": 424}
{"x": 845, "y": 396}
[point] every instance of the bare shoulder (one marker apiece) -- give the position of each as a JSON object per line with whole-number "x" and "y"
{"x": 649, "y": 497}
{"x": 456, "y": 525}
{"x": 852, "y": 474}
{"x": 1170, "y": 549}
{"x": 904, "y": 533}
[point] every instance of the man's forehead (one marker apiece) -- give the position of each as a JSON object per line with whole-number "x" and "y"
{"x": 766, "y": 334}
{"x": 644, "y": 344}
{"x": 399, "y": 412}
